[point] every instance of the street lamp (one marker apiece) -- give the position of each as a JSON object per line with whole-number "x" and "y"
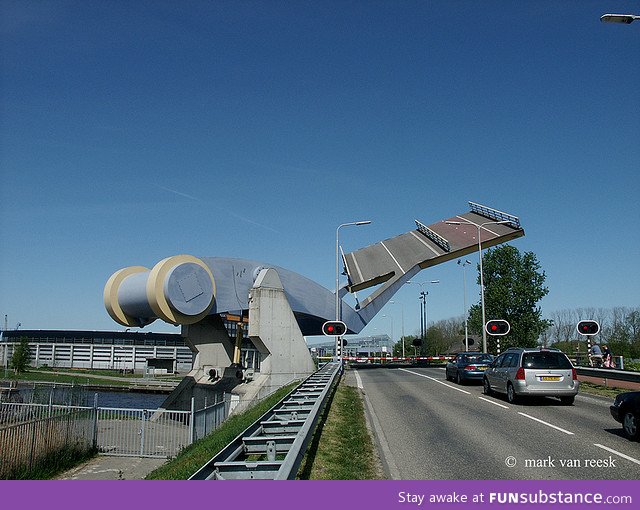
{"x": 619, "y": 18}
{"x": 356, "y": 223}
{"x": 479, "y": 227}
{"x": 464, "y": 286}
{"x": 423, "y": 308}
{"x": 391, "y": 319}
{"x": 402, "y": 320}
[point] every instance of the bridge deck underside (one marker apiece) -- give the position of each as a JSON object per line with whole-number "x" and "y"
{"x": 382, "y": 261}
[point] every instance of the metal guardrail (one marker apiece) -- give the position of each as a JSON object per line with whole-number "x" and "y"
{"x": 434, "y": 236}
{"x": 273, "y": 447}
{"x": 609, "y": 373}
{"x": 494, "y": 214}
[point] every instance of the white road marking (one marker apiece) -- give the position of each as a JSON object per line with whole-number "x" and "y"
{"x": 435, "y": 380}
{"x": 358, "y": 380}
{"x": 617, "y": 453}
{"x": 546, "y": 423}
{"x": 424, "y": 242}
{"x": 394, "y": 259}
{"x": 494, "y": 403}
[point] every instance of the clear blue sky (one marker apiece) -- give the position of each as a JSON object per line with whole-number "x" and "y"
{"x": 133, "y": 131}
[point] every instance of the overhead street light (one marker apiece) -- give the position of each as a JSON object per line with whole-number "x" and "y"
{"x": 423, "y": 307}
{"x": 479, "y": 227}
{"x": 619, "y": 18}
{"x": 464, "y": 299}
{"x": 338, "y": 315}
{"x": 402, "y": 319}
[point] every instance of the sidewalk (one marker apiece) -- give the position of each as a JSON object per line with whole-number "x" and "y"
{"x": 106, "y": 467}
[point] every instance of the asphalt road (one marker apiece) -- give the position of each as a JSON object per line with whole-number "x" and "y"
{"x": 429, "y": 428}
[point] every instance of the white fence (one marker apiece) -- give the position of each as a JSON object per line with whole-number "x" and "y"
{"x": 31, "y": 432}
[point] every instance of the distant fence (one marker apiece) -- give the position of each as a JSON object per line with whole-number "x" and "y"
{"x": 31, "y": 433}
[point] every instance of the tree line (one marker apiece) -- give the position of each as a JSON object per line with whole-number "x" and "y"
{"x": 514, "y": 285}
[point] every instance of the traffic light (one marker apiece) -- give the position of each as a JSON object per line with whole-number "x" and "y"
{"x": 334, "y": 328}
{"x": 588, "y": 327}
{"x": 497, "y": 327}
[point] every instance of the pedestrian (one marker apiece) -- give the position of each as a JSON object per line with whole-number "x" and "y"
{"x": 607, "y": 357}
{"x": 596, "y": 356}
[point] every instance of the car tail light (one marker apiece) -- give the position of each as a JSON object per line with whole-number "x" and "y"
{"x": 471, "y": 368}
{"x": 520, "y": 374}
{"x": 574, "y": 374}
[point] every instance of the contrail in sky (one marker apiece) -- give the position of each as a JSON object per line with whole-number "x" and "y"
{"x": 230, "y": 212}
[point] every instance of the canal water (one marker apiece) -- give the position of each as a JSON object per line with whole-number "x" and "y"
{"x": 128, "y": 399}
{"x": 81, "y": 396}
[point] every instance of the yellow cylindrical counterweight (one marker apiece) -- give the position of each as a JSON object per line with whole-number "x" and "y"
{"x": 178, "y": 290}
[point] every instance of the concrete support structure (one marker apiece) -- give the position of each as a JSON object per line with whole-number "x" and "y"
{"x": 274, "y": 331}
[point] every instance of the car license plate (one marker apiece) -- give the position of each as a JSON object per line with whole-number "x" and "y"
{"x": 549, "y": 378}
{"x": 482, "y": 368}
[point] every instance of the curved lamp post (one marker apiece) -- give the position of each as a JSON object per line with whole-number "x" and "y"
{"x": 464, "y": 299}
{"x": 480, "y": 227}
{"x": 356, "y": 223}
{"x": 619, "y": 18}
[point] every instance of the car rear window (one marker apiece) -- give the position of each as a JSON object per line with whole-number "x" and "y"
{"x": 550, "y": 360}
{"x": 477, "y": 358}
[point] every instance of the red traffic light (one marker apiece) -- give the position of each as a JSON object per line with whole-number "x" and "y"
{"x": 334, "y": 328}
{"x": 497, "y": 327}
{"x": 588, "y": 327}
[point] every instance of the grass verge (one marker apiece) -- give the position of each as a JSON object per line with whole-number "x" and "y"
{"x": 194, "y": 456}
{"x": 342, "y": 448}
{"x": 599, "y": 390}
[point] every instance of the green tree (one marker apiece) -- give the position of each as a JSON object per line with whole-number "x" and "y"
{"x": 408, "y": 346}
{"x": 514, "y": 283}
{"x": 21, "y": 356}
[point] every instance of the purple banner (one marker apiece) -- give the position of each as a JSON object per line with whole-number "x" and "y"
{"x": 312, "y": 495}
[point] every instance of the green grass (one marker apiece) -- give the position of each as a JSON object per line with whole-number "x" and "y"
{"x": 44, "y": 376}
{"x": 193, "y": 457}
{"x": 599, "y": 390}
{"x": 342, "y": 448}
{"x": 53, "y": 464}
{"x": 82, "y": 371}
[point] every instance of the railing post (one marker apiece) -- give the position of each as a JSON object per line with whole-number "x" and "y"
{"x": 205, "y": 417}
{"x": 95, "y": 421}
{"x": 193, "y": 421}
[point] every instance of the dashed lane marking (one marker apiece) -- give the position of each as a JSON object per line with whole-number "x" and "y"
{"x": 611, "y": 450}
{"x": 435, "y": 380}
{"x": 494, "y": 403}
{"x": 546, "y": 423}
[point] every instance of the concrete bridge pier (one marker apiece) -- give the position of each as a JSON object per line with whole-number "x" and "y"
{"x": 274, "y": 331}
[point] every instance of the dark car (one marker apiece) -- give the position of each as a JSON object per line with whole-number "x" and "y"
{"x": 626, "y": 410}
{"x": 467, "y": 366}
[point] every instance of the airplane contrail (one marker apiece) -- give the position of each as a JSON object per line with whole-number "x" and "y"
{"x": 235, "y": 215}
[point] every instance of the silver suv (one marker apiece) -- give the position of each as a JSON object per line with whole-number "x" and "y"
{"x": 532, "y": 372}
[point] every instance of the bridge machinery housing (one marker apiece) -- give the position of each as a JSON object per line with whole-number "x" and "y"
{"x": 281, "y": 306}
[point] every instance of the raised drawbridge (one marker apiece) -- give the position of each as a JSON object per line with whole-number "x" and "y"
{"x": 279, "y": 306}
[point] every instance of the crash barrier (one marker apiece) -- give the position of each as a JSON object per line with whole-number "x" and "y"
{"x": 610, "y": 374}
{"x": 389, "y": 359}
{"x": 272, "y": 448}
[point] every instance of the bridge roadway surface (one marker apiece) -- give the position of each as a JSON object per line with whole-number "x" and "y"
{"x": 429, "y": 428}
